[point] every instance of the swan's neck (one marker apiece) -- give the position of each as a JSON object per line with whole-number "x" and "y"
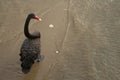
{"x": 26, "y": 30}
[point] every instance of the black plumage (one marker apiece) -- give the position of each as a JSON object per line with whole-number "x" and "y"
{"x": 30, "y": 49}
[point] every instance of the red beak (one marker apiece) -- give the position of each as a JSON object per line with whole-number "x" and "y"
{"x": 36, "y": 17}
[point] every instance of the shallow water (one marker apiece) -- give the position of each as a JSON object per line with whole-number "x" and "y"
{"x": 85, "y": 33}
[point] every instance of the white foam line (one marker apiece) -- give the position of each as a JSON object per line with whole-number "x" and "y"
{"x": 68, "y": 25}
{"x": 46, "y": 11}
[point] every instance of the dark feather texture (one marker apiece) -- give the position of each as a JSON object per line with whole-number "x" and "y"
{"x": 29, "y": 52}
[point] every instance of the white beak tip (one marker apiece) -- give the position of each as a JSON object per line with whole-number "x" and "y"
{"x": 40, "y": 19}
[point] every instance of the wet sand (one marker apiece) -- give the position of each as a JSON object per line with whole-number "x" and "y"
{"x": 86, "y": 34}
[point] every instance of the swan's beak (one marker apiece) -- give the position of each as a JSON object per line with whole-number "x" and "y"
{"x": 36, "y": 17}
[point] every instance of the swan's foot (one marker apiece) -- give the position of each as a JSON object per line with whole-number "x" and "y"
{"x": 40, "y": 58}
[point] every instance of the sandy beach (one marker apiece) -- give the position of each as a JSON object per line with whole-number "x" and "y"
{"x": 83, "y": 44}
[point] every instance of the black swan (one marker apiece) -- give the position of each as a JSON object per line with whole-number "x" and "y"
{"x": 30, "y": 49}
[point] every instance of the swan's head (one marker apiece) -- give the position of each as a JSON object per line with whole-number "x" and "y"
{"x": 33, "y": 16}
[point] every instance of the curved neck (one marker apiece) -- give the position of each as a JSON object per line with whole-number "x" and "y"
{"x": 26, "y": 29}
